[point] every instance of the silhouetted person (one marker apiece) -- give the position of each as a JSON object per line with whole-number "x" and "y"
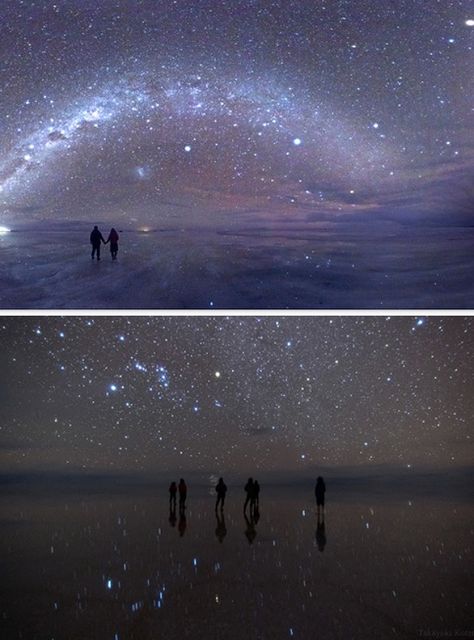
{"x": 221, "y": 490}
{"x": 256, "y": 490}
{"x": 173, "y": 489}
{"x": 250, "y": 490}
{"x": 183, "y": 492}
{"x": 250, "y": 532}
{"x": 172, "y": 518}
{"x": 182, "y": 523}
{"x": 221, "y": 530}
{"x": 321, "y": 533}
{"x": 113, "y": 239}
{"x": 96, "y": 239}
{"x": 319, "y": 491}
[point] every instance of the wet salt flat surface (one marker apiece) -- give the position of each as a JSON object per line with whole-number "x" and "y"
{"x": 114, "y": 567}
{"x": 273, "y": 268}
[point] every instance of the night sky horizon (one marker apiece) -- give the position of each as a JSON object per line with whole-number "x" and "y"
{"x": 141, "y": 395}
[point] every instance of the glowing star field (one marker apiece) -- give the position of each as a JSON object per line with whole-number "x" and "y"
{"x": 342, "y": 123}
{"x": 215, "y": 395}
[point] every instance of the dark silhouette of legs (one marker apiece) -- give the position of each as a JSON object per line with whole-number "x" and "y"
{"x": 95, "y": 249}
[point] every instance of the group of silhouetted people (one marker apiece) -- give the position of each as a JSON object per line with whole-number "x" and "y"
{"x": 182, "y": 490}
{"x": 252, "y": 490}
{"x": 97, "y": 239}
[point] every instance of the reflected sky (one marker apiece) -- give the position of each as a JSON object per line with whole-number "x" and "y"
{"x": 317, "y": 265}
{"x": 115, "y": 567}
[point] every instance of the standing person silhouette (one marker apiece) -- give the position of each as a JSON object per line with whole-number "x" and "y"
{"x": 173, "y": 489}
{"x": 221, "y": 490}
{"x": 319, "y": 491}
{"x": 96, "y": 239}
{"x": 250, "y": 490}
{"x": 183, "y": 492}
{"x": 113, "y": 239}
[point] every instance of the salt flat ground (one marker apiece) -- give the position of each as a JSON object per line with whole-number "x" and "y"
{"x": 329, "y": 268}
{"x": 112, "y": 565}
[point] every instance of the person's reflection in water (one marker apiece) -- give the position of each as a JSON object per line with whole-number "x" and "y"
{"x": 221, "y": 530}
{"x": 250, "y": 532}
{"x": 256, "y": 493}
{"x": 321, "y": 533}
{"x": 256, "y": 514}
{"x": 182, "y": 522}
{"x": 172, "y": 518}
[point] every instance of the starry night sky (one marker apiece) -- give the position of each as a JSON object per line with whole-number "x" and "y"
{"x": 211, "y": 112}
{"x": 225, "y": 394}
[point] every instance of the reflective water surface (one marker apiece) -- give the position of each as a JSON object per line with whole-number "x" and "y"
{"x": 330, "y": 266}
{"x": 118, "y": 566}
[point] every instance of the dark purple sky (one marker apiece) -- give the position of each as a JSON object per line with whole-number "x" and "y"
{"x": 243, "y": 111}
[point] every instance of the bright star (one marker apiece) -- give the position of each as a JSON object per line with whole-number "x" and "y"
{"x": 297, "y": 142}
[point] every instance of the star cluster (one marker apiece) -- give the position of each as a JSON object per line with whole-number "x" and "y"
{"x": 153, "y": 112}
{"x": 225, "y": 394}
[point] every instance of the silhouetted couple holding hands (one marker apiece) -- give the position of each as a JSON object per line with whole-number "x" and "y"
{"x": 97, "y": 238}
{"x": 182, "y": 489}
{"x": 252, "y": 489}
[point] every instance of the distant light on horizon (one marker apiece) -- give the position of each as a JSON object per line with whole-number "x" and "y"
{"x": 4, "y": 231}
